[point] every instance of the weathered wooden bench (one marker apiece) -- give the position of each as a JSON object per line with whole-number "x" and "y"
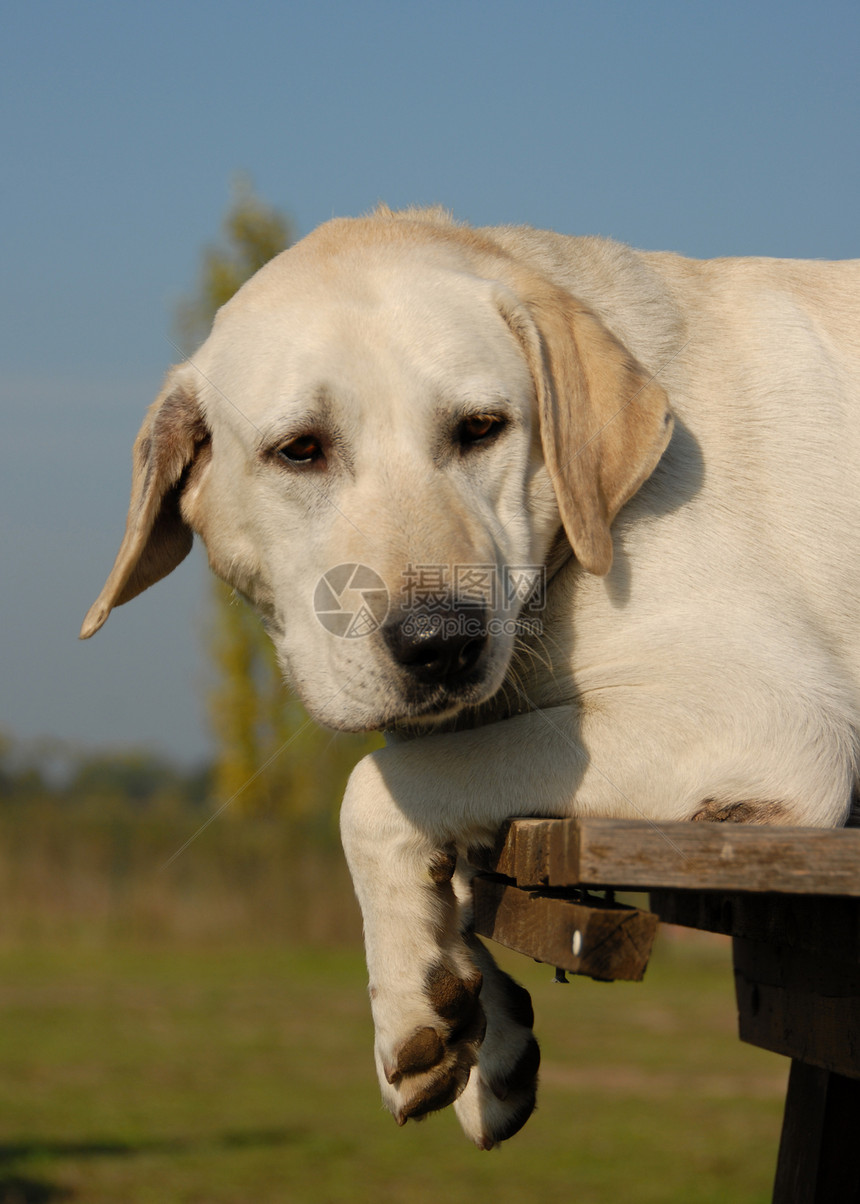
{"x": 788, "y": 897}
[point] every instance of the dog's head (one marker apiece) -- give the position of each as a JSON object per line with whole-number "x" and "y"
{"x": 378, "y": 443}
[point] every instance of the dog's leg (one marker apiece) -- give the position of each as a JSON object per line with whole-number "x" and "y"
{"x": 424, "y": 983}
{"x": 501, "y": 1092}
{"x": 436, "y": 995}
{"x": 449, "y": 1024}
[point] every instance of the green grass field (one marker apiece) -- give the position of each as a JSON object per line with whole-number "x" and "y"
{"x": 228, "y": 1075}
{"x": 223, "y": 1059}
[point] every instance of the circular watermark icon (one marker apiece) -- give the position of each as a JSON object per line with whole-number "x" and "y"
{"x": 351, "y": 601}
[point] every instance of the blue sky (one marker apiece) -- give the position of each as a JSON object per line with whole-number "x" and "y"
{"x": 706, "y": 128}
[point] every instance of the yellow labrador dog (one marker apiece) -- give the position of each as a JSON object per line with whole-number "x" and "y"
{"x": 578, "y": 526}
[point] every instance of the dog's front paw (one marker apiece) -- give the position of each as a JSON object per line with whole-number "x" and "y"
{"x": 502, "y": 1089}
{"x": 435, "y": 991}
{"x": 426, "y": 1047}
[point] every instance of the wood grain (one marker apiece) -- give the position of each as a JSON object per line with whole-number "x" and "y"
{"x": 600, "y": 940}
{"x": 638, "y": 855}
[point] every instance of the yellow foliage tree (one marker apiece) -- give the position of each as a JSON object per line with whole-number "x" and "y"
{"x": 270, "y": 757}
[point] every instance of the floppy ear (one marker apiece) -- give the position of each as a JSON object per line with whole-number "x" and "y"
{"x": 604, "y": 421}
{"x": 171, "y": 441}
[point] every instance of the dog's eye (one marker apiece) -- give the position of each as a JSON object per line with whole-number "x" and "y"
{"x": 304, "y": 449}
{"x": 478, "y": 428}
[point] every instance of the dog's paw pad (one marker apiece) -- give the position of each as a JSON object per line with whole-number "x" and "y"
{"x": 454, "y": 999}
{"x": 429, "y": 1069}
{"x": 437, "y": 1090}
{"x": 423, "y": 1050}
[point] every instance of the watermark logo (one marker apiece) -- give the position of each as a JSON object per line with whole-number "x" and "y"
{"x": 445, "y": 588}
{"x": 351, "y": 601}
{"x": 465, "y": 626}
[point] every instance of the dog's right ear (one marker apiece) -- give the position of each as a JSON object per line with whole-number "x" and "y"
{"x": 173, "y": 441}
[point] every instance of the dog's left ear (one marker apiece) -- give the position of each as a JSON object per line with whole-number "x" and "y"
{"x": 172, "y": 442}
{"x": 604, "y": 421}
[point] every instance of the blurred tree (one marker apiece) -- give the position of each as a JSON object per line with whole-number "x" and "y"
{"x": 269, "y": 754}
{"x": 252, "y": 234}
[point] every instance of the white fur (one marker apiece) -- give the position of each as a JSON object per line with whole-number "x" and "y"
{"x": 718, "y": 659}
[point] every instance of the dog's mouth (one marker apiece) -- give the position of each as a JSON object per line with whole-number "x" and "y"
{"x": 414, "y": 699}
{"x": 429, "y": 707}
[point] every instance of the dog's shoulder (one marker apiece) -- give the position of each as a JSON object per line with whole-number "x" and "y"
{"x": 624, "y": 287}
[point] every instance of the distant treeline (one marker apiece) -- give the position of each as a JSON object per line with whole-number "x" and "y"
{"x": 46, "y": 770}
{"x": 300, "y": 785}
{"x": 127, "y": 847}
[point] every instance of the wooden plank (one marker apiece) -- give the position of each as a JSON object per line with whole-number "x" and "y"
{"x": 820, "y": 925}
{"x": 818, "y": 1163}
{"x": 638, "y": 855}
{"x": 605, "y": 941}
{"x": 801, "y": 1004}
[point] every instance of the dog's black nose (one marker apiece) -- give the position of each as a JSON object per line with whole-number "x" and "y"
{"x": 437, "y": 647}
